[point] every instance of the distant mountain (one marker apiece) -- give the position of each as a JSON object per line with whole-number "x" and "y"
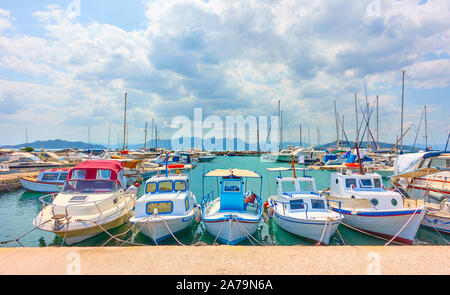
{"x": 56, "y": 144}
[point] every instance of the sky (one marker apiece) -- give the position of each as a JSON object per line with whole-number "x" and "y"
{"x": 65, "y": 65}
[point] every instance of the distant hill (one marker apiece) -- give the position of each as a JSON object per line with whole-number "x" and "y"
{"x": 56, "y": 144}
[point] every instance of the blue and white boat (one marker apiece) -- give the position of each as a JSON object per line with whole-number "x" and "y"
{"x": 299, "y": 209}
{"x": 368, "y": 206}
{"x": 233, "y": 215}
{"x": 167, "y": 207}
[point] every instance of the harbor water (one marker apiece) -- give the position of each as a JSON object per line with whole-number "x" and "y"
{"x": 19, "y": 208}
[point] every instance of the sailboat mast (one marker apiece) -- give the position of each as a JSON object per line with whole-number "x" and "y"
{"x": 426, "y": 135}
{"x": 367, "y": 116}
{"x": 377, "y": 124}
{"x": 145, "y": 139}
{"x": 301, "y": 144}
{"x": 337, "y": 126}
{"x": 125, "y": 122}
{"x": 279, "y": 127}
{"x": 257, "y": 135}
{"x": 356, "y": 113}
{"x": 403, "y": 97}
{"x": 109, "y": 135}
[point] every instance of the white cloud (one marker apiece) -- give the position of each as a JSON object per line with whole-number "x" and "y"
{"x": 226, "y": 56}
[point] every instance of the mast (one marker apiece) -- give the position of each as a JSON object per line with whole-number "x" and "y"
{"x": 156, "y": 137}
{"x": 426, "y": 135}
{"x": 309, "y": 137}
{"x": 109, "y": 136}
{"x": 367, "y": 116}
{"x": 124, "y": 122}
{"x": 280, "y": 136}
{"x": 281, "y": 132}
{"x": 337, "y": 126}
{"x": 403, "y": 96}
{"x": 356, "y": 113}
{"x": 342, "y": 131}
{"x": 26, "y": 136}
{"x": 377, "y": 123}
{"x": 257, "y": 135}
{"x": 145, "y": 132}
{"x": 301, "y": 144}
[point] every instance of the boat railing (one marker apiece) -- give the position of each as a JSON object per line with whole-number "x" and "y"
{"x": 339, "y": 203}
{"x": 206, "y": 199}
{"x": 47, "y": 200}
{"x": 288, "y": 203}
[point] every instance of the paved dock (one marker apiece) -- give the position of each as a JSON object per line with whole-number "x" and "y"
{"x": 10, "y": 181}
{"x": 227, "y": 260}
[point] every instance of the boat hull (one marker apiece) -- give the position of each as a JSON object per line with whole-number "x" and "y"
{"x": 156, "y": 228}
{"x": 205, "y": 159}
{"x": 229, "y": 231}
{"x": 439, "y": 223}
{"x": 40, "y": 186}
{"x": 310, "y": 229}
{"x": 386, "y": 223}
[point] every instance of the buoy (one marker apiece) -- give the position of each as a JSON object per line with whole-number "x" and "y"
{"x": 266, "y": 205}
{"x": 136, "y": 184}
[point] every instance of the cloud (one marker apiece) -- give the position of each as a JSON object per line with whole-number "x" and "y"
{"x": 229, "y": 57}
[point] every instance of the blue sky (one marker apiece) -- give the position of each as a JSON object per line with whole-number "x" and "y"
{"x": 62, "y": 71}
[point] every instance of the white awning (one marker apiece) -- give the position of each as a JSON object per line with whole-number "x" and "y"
{"x": 234, "y": 172}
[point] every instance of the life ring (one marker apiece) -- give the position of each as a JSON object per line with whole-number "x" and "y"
{"x": 175, "y": 166}
{"x": 251, "y": 198}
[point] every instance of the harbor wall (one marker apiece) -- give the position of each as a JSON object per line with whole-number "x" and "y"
{"x": 227, "y": 260}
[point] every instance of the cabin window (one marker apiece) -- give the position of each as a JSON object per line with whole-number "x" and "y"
{"x": 79, "y": 174}
{"x": 231, "y": 186}
{"x": 50, "y": 176}
{"x": 103, "y": 174}
{"x": 377, "y": 182}
{"x": 297, "y": 204}
{"x": 63, "y": 176}
{"x": 162, "y": 207}
{"x": 394, "y": 202}
{"x": 180, "y": 185}
{"x": 288, "y": 186}
{"x": 186, "y": 202}
{"x": 317, "y": 204}
{"x": 150, "y": 188}
{"x": 440, "y": 162}
{"x": 165, "y": 186}
{"x": 374, "y": 201}
{"x": 366, "y": 183}
{"x": 350, "y": 181}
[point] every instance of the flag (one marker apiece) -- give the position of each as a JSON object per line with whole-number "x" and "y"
{"x": 301, "y": 159}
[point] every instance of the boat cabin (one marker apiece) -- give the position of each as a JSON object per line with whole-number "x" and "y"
{"x": 165, "y": 195}
{"x": 368, "y": 186}
{"x": 54, "y": 175}
{"x": 300, "y": 194}
{"x": 231, "y": 194}
{"x": 95, "y": 176}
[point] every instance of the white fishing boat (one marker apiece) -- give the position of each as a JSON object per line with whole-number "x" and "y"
{"x": 426, "y": 175}
{"x": 167, "y": 207}
{"x": 205, "y": 157}
{"x": 368, "y": 206}
{"x": 299, "y": 209}
{"x": 93, "y": 199}
{"x": 231, "y": 216}
{"x": 47, "y": 181}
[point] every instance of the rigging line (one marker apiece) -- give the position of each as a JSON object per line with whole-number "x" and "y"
{"x": 418, "y": 129}
{"x": 270, "y": 128}
{"x": 367, "y": 125}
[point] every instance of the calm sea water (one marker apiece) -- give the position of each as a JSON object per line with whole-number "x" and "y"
{"x": 19, "y": 208}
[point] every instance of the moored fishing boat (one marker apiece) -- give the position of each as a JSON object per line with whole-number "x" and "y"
{"x": 205, "y": 157}
{"x": 232, "y": 215}
{"x": 93, "y": 199}
{"x": 369, "y": 207}
{"x": 426, "y": 176}
{"x": 47, "y": 181}
{"x": 300, "y": 210}
{"x": 167, "y": 207}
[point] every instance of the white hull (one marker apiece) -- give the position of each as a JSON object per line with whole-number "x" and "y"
{"x": 156, "y": 229}
{"x": 40, "y": 186}
{"x": 311, "y": 229}
{"x": 231, "y": 231}
{"x": 439, "y": 223}
{"x": 389, "y": 224}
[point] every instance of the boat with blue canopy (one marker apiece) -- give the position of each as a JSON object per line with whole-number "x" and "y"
{"x": 234, "y": 214}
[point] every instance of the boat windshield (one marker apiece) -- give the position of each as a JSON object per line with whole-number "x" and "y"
{"x": 90, "y": 186}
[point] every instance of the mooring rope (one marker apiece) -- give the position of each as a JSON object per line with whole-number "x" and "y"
{"x": 168, "y": 228}
{"x": 248, "y": 234}
{"x": 220, "y": 230}
{"x": 367, "y": 233}
{"x": 22, "y": 236}
{"x": 403, "y": 227}
{"x": 323, "y": 232}
{"x": 445, "y": 240}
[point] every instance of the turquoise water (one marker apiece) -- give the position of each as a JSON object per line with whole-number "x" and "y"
{"x": 19, "y": 208}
